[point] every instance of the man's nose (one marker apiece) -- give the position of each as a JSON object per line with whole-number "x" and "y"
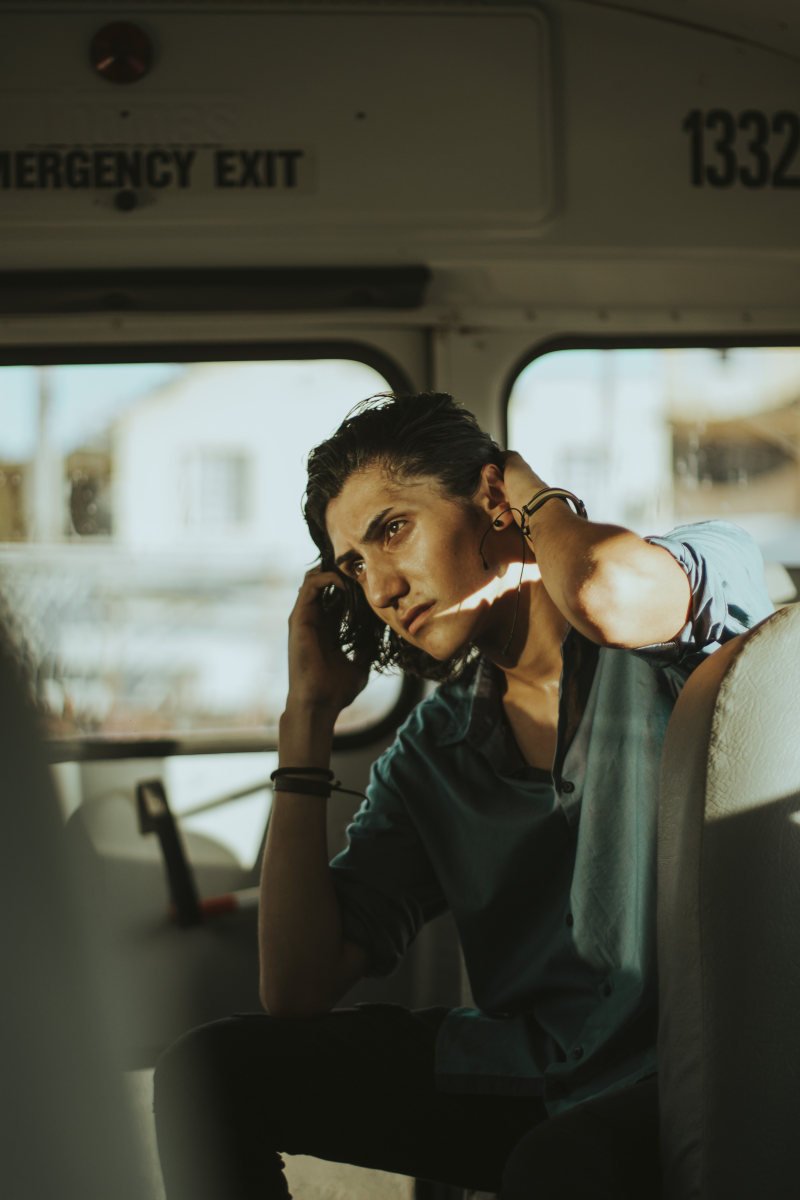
{"x": 385, "y": 585}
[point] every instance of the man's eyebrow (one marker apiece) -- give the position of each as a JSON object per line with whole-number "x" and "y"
{"x": 369, "y": 535}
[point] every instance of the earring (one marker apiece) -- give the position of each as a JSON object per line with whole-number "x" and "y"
{"x": 486, "y": 533}
{"x": 497, "y": 523}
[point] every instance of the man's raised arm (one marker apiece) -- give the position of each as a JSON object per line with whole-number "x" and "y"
{"x": 609, "y": 583}
{"x": 305, "y": 964}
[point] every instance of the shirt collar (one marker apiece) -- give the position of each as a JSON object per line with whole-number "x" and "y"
{"x": 483, "y": 724}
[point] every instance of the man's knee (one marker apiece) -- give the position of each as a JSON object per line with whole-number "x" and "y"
{"x": 215, "y": 1116}
{"x": 214, "y": 1060}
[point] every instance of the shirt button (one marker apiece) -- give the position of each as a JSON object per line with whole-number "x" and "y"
{"x": 577, "y": 1052}
{"x": 570, "y": 920}
{"x": 606, "y": 989}
{"x": 567, "y": 786}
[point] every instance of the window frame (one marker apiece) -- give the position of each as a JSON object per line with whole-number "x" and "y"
{"x": 638, "y": 341}
{"x": 115, "y": 747}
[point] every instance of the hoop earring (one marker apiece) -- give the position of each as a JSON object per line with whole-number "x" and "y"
{"x": 507, "y": 646}
{"x": 495, "y": 523}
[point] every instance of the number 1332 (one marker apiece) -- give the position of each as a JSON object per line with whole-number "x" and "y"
{"x": 751, "y": 149}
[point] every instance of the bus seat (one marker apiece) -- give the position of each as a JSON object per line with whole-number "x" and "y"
{"x": 729, "y": 922}
{"x": 65, "y": 1122}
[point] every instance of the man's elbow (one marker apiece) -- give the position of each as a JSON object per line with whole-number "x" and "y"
{"x": 611, "y": 606}
{"x": 311, "y": 988}
{"x": 288, "y": 1002}
{"x": 624, "y": 606}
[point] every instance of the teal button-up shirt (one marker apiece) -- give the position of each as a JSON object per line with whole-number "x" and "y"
{"x": 551, "y": 877}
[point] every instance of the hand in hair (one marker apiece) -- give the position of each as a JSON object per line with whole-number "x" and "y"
{"x": 321, "y": 676}
{"x": 520, "y": 480}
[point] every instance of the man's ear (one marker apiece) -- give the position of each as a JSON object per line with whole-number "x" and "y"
{"x": 492, "y": 497}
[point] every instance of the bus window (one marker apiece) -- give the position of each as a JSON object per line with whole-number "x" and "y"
{"x": 651, "y": 438}
{"x": 152, "y": 542}
{"x": 199, "y": 787}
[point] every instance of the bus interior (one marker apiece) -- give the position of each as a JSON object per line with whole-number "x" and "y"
{"x": 222, "y": 226}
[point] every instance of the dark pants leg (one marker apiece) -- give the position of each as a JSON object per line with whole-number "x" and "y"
{"x": 606, "y": 1149}
{"x": 355, "y": 1085}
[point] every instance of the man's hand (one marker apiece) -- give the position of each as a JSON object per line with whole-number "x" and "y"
{"x": 321, "y": 676}
{"x": 521, "y": 481}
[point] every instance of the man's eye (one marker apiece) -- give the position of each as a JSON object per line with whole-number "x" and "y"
{"x": 392, "y": 527}
{"x": 356, "y": 567}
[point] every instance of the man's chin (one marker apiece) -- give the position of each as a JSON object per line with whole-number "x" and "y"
{"x": 441, "y": 648}
{"x": 441, "y": 638}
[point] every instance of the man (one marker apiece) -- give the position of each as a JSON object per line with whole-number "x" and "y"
{"x": 521, "y": 795}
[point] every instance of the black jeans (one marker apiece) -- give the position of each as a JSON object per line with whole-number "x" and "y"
{"x": 357, "y": 1085}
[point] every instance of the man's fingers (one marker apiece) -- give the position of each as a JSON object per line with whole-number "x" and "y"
{"x": 316, "y": 579}
{"x": 315, "y": 583}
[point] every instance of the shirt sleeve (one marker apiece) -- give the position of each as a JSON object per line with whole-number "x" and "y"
{"x": 729, "y": 593}
{"x": 384, "y": 881}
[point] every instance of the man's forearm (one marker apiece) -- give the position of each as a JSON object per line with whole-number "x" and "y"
{"x": 572, "y": 555}
{"x": 300, "y": 937}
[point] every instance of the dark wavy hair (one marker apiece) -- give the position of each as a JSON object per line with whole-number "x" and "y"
{"x": 409, "y": 436}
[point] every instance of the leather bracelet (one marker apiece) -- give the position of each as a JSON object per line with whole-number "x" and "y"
{"x": 291, "y": 779}
{"x": 536, "y": 502}
{"x": 306, "y": 787}
{"x": 279, "y": 772}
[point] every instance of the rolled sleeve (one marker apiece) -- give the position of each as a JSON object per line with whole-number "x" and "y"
{"x": 383, "y": 879}
{"x": 729, "y": 595}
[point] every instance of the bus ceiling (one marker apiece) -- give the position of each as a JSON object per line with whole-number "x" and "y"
{"x": 446, "y": 158}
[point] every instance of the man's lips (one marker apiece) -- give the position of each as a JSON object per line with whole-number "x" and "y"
{"x": 414, "y": 619}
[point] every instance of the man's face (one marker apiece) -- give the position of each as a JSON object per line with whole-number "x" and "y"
{"x": 414, "y": 552}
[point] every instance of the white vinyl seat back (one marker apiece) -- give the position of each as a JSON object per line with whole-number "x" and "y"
{"x": 729, "y": 923}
